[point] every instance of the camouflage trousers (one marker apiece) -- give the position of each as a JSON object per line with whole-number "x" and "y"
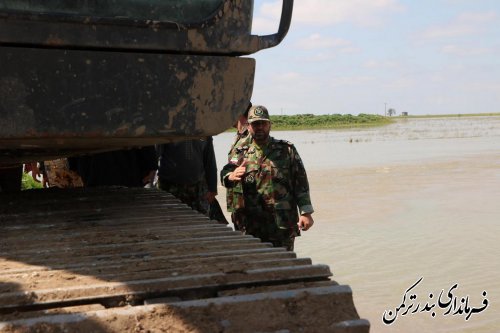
{"x": 192, "y": 195}
{"x": 264, "y": 227}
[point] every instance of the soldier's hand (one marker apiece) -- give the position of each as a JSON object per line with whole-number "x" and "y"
{"x": 238, "y": 173}
{"x": 305, "y": 222}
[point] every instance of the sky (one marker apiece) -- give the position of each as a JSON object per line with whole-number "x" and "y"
{"x": 367, "y": 56}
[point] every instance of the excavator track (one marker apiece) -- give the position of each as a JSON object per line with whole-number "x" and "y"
{"x": 138, "y": 260}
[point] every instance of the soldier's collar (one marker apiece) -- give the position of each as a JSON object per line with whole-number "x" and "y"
{"x": 265, "y": 144}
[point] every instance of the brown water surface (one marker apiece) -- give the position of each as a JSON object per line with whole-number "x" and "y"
{"x": 416, "y": 199}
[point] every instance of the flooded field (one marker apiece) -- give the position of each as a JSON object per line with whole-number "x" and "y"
{"x": 416, "y": 199}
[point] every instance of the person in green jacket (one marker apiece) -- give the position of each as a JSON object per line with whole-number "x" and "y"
{"x": 241, "y": 138}
{"x": 269, "y": 184}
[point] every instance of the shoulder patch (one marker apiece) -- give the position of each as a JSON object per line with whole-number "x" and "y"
{"x": 282, "y": 145}
{"x": 284, "y": 142}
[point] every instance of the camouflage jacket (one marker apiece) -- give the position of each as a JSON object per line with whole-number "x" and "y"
{"x": 240, "y": 140}
{"x": 275, "y": 182}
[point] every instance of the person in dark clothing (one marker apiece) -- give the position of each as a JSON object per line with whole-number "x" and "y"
{"x": 128, "y": 167}
{"x": 188, "y": 170}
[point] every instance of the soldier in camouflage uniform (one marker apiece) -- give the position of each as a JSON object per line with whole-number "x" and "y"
{"x": 269, "y": 185}
{"x": 240, "y": 139}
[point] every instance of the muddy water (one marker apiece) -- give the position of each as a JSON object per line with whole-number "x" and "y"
{"x": 415, "y": 199}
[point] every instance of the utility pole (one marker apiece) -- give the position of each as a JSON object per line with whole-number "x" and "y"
{"x": 385, "y": 109}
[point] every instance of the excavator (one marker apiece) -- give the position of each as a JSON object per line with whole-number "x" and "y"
{"x": 86, "y": 76}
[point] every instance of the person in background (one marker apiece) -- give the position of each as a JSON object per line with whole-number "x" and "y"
{"x": 240, "y": 139}
{"x": 241, "y": 129}
{"x": 271, "y": 182}
{"x": 188, "y": 170}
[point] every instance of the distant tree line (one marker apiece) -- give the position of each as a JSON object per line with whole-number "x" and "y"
{"x": 304, "y": 121}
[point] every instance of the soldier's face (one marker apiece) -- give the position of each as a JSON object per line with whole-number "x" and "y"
{"x": 260, "y": 130}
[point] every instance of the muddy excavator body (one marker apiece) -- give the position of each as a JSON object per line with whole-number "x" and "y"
{"x": 86, "y": 76}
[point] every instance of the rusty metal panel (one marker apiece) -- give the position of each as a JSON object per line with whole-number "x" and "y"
{"x": 226, "y": 31}
{"x": 58, "y": 102}
{"x": 77, "y": 81}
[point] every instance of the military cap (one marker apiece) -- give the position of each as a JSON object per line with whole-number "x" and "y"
{"x": 258, "y": 112}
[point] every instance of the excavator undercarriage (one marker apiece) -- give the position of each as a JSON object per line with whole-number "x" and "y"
{"x": 122, "y": 259}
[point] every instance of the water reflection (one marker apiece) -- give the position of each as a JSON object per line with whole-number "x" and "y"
{"x": 418, "y": 198}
